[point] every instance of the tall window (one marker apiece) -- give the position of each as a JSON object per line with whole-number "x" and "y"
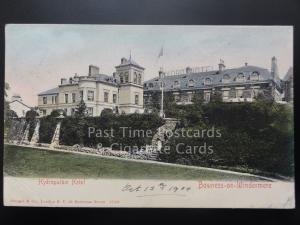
{"x": 55, "y": 99}
{"x": 176, "y": 83}
{"x": 73, "y": 97}
{"x": 66, "y": 98}
{"x": 135, "y": 78}
{"x": 126, "y": 76}
{"x": 90, "y": 111}
{"x": 90, "y": 96}
{"x": 207, "y": 97}
{"x": 136, "y": 99}
{"x": 140, "y": 79}
{"x": 44, "y": 100}
{"x": 225, "y": 94}
{"x": 114, "y": 98}
{"x": 121, "y": 78}
{"x": 106, "y": 96}
{"x": 239, "y": 93}
{"x": 52, "y": 99}
{"x": 81, "y": 95}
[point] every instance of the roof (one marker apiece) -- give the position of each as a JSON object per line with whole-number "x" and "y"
{"x": 289, "y": 74}
{"x": 50, "y": 91}
{"x": 20, "y": 103}
{"x": 128, "y": 62}
{"x": 214, "y": 76}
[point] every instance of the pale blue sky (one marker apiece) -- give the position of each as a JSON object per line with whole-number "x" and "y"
{"x": 37, "y": 56}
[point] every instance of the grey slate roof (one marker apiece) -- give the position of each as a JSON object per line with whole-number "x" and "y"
{"x": 216, "y": 78}
{"x": 130, "y": 62}
{"x": 50, "y": 91}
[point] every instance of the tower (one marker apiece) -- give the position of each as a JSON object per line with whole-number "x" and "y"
{"x": 274, "y": 68}
{"x": 131, "y": 76}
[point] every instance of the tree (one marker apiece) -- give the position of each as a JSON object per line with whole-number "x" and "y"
{"x": 81, "y": 109}
{"x": 6, "y": 103}
{"x": 57, "y": 112}
{"x": 106, "y": 112}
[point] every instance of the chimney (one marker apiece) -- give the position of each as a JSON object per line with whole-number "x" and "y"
{"x": 93, "y": 70}
{"x": 274, "y": 67}
{"x": 123, "y": 60}
{"x": 63, "y": 81}
{"x": 161, "y": 73}
{"x": 188, "y": 70}
{"x": 221, "y": 66}
{"x": 246, "y": 64}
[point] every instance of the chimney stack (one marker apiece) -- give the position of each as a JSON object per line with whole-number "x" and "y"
{"x": 274, "y": 67}
{"x": 188, "y": 70}
{"x": 123, "y": 60}
{"x": 161, "y": 73}
{"x": 221, "y": 66}
{"x": 93, "y": 70}
{"x": 63, "y": 81}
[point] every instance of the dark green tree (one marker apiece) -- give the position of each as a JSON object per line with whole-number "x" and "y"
{"x": 81, "y": 109}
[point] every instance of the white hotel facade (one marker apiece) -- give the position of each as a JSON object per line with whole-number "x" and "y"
{"x": 122, "y": 92}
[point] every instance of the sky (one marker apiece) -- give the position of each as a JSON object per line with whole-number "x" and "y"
{"x": 37, "y": 56}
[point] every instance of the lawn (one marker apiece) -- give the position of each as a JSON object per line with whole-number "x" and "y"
{"x": 29, "y": 162}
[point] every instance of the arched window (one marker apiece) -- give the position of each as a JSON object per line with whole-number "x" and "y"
{"x": 135, "y": 78}
{"x": 254, "y": 76}
{"x": 240, "y": 77}
{"x": 140, "y": 79}
{"x": 191, "y": 83}
{"x": 207, "y": 81}
{"x": 225, "y": 78}
{"x": 176, "y": 84}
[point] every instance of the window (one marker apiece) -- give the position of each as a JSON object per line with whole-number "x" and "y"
{"x": 73, "y": 97}
{"x": 254, "y": 76}
{"x": 55, "y": 99}
{"x": 225, "y": 94}
{"x": 150, "y": 85}
{"x": 90, "y": 96}
{"x": 72, "y": 111}
{"x": 121, "y": 78}
{"x": 105, "y": 96}
{"x": 126, "y": 76}
{"x": 114, "y": 98}
{"x": 44, "y": 112}
{"x": 177, "y": 98}
{"x": 232, "y": 94}
{"x": 90, "y": 111}
{"x": 207, "y": 81}
{"x": 44, "y": 100}
{"x": 135, "y": 78}
{"x": 52, "y": 99}
{"x": 226, "y": 78}
{"x": 239, "y": 93}
{"x": 136, "y": 99}
{"x": 240, "y": 77}
{"x": 81, "y": 95}
{"x": 207, "y": 96}
{"x": 191, "y": 83}
{"x": 176, "y": 83}
{"x": 140, "y": 79}
{"x": 66, "y": 98}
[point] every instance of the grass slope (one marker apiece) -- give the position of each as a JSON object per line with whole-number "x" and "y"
{"x": 28, "y": 162}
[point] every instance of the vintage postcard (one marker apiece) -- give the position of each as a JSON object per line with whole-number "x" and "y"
{"x": 149, "y": 116}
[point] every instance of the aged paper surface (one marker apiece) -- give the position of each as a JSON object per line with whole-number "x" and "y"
{"x": 149, "y": 116}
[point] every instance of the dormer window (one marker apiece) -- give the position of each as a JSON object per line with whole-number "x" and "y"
{"x": 240, "y": 77}
{"x": 254, "y": 76}
{"x": 207, "y": 81}
{"x": 225, "y": 78}
{"x": 176, "y": 84}
{"x": 191, "y": 83}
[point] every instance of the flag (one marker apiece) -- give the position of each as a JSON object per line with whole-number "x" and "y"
{"x": 161, "y": 53}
